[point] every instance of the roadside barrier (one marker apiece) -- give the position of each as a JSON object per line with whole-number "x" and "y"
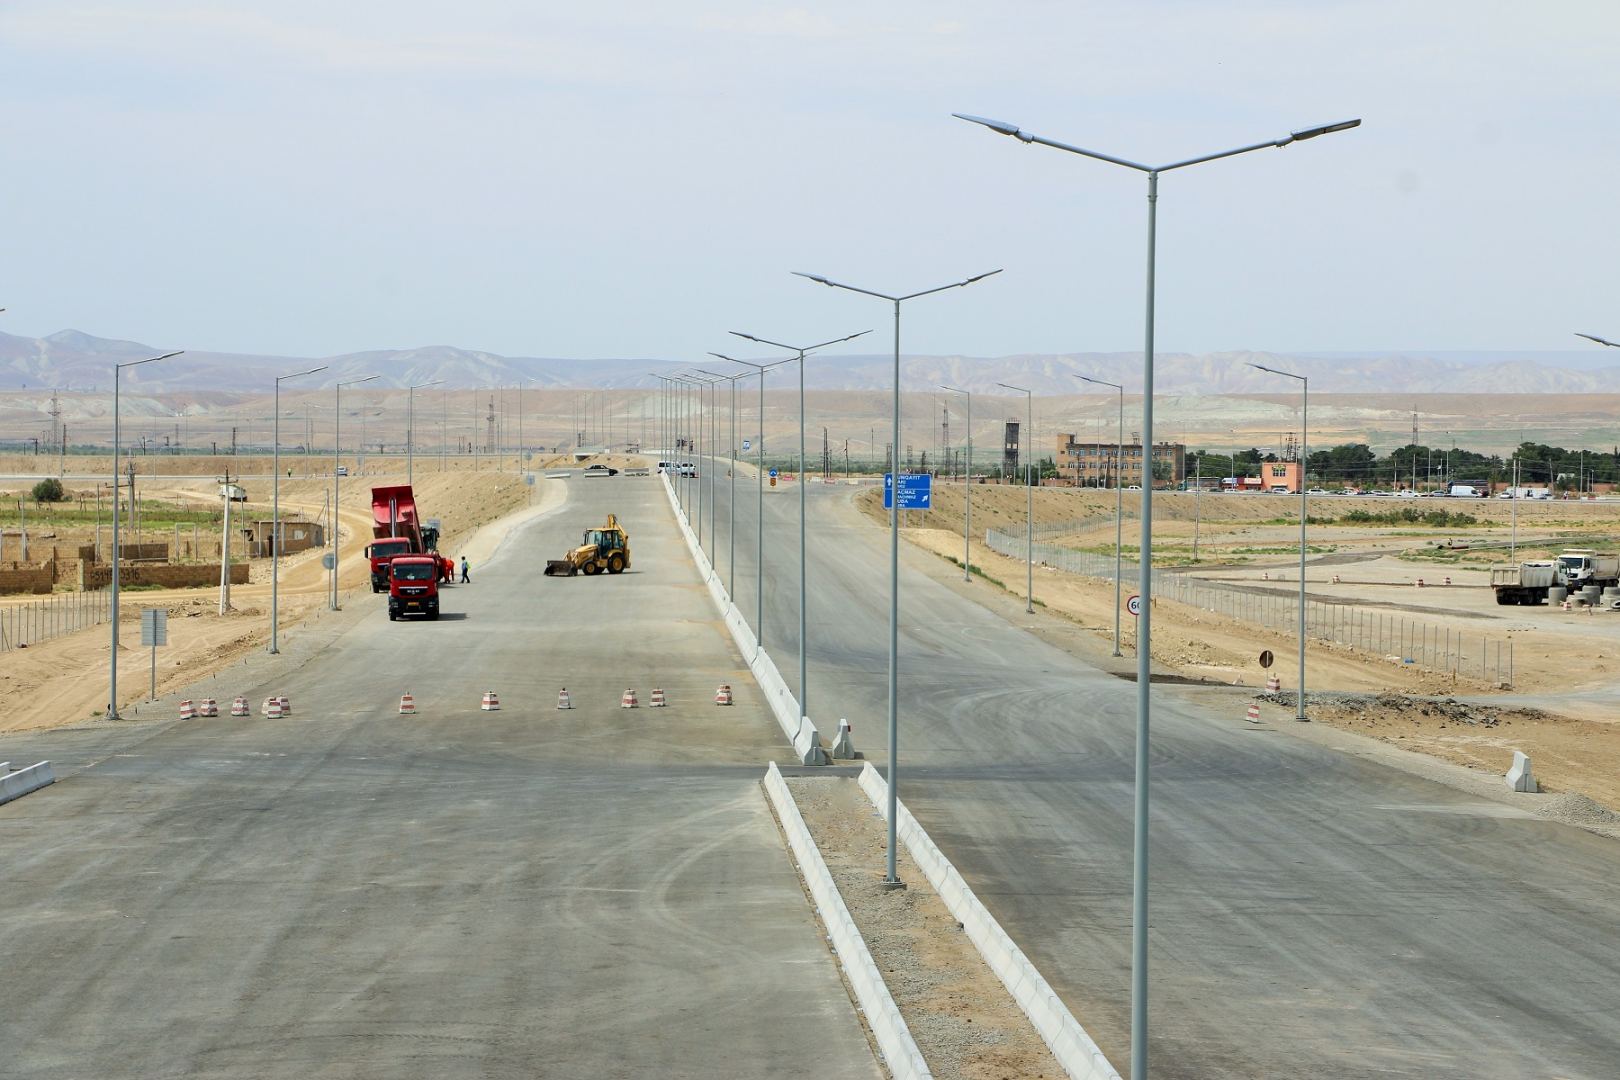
{"x": 657, "y": 701}
{"x": 239, "y": 707}
{"x": 407, "y": 705}
{"x": 722, "y": 696}
{"x": 188, "y": 711}
{"x": 210, "y": 707}
{"x": 1254, "y": 713}
{"x": 628, "y": 701}
{"x": 562, "y": 699}
{"x": 1062, "y": 1033}
{"x": 14, "y": 785}
{"x": 843, "y": 745}
{"x": 491, "y": 703}
{"x": 1519, "y": 777}
{"x": 889, "y": 1030}
{"x": 272, "y": 708}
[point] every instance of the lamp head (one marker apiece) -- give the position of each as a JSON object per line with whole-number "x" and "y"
{"x": 817, "y": 278}
{"x": 1325, "y": 129}
{"x": 1000, "y": 127}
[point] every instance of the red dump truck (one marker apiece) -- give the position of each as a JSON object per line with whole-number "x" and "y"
{"x": 397, "y": 530}
{"x": 413, "y": 586}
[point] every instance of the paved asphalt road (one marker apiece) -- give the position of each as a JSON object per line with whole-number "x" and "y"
{"x": 1313, "y": 914}
{"x": 526, "y": 893}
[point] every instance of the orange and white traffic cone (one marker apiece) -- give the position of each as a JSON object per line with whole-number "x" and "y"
{"x": 407, "y": 705}
{"x": 628, "y": 701}
{"x": 491, "y": 703}
{"x": 209, "y": 707}
{"x": 562, "y": 699}
{"x": 1254, "y": 713}
{"x": 657, "y": 701}
{"x": 1273, "y": 684}
{"x": 188, "y": 711}
{"x": 272, "y": 708}
{"x": 722, "y": 696}
{"x": 239, "y": 707}
{"x": 286, "y": 705}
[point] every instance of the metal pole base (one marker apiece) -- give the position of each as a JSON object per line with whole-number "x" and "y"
{"x": 891, "y": 885}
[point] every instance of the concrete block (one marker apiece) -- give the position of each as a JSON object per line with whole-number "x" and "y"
{"x": 14, "y": 785}
{"x": 1519, "y": 777}
{"x": 843, "y": 744}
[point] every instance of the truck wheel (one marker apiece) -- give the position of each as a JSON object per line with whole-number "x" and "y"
{"x": 615, "y": 565}
{"x": 393, "y": 616}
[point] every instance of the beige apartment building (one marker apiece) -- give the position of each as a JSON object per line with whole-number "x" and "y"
{"x": 1093, "y": 464}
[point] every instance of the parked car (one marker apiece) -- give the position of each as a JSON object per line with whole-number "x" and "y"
{"x": 600, "y": 470}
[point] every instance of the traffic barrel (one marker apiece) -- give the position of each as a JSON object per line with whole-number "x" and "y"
{"x": 628, "y": 701}
{"x": 209, "y": 707}
{"x": 407, "y": 705}
{"x": 286, "y": 705}
{"x": 491, "y": 703}
{"x": 272, "y": 708}
{"x": 722, "y": 696}
{"x": 1273, "y": 684}
{"x": 239, "y": 707}
{"x": 188, "y": 711}
{"x": 1254, "y": 713}
{"x": 562, "y": 699}
{"x": 657, "y": 701}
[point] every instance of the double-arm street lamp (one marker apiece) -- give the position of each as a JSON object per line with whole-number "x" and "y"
{"x": 804, "y": 672}
{"x": 337, "y": 468}
{"x": 410, "y": 428}
{"x": 112, "y": 690}
{"x": 275, "y": 507}
{"x": 1600, "y": 341}
{"x": 1029, "y": 482}
{"x": 967, "y": 488}
{"x": 759, "y": 480}
{"x": 692, "y": 382}
{"x": 1119, "y": 496}
{"x": 1304, "y": 457}
{"x": 1144, "y": 658}
{"x": 891, "y": 880}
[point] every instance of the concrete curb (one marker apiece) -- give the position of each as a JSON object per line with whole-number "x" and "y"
{"x": 1076, "y": 1052}
{"x": 800, "y": 731}
{"x": 14, "y": 785}
{"x": 899, "y": 1050}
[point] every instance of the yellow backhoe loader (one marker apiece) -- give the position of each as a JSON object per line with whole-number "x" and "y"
{"x": 606, "y": 548}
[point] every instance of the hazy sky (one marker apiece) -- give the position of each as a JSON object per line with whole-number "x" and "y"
{"x": 637, "y": 178}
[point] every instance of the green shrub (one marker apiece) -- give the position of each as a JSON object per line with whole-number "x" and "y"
{"x": 49, "y": 490}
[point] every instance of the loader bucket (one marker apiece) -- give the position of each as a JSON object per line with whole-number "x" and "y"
{"x": 559, "y": 568}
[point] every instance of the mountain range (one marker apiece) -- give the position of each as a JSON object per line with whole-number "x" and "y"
{"x": 71, "y": 360}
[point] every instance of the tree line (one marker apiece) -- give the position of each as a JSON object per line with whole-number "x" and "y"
{"x": 1540, "y": 465}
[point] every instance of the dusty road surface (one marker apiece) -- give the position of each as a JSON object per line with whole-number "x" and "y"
{"x": 519, "y": 893}
{"x": 1314, "y": 913}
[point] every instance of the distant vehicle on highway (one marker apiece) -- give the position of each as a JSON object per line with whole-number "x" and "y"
{"x": 600, "y": 470}
{"x": 343, "y": 470}
{"x": 1465, "y": 491}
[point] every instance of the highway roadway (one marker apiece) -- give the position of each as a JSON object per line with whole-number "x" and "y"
{"x": 1314, "y": 914}
{"x": 348, "y": 892}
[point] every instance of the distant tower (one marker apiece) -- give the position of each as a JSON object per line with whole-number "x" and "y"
{"x": 945, "y": 430}
{"x": 56, "y": 421}
{"x": 489, "y": 423}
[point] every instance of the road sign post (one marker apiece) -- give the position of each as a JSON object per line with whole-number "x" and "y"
{"x": 154, "y": 632}
{"x": 1133, "y": 604}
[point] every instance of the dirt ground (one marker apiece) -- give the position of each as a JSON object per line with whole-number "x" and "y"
{"x": 64, "y": 680}
{"x": 1570, "y": 726}
{"x": 963, "y": 1019}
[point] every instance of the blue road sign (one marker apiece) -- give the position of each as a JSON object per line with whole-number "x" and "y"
{"x": 916, "y": 492}
{"x": 773, "y": 474}
{"x": 747, "y": 444}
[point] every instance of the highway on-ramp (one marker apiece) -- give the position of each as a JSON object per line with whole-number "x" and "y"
{"x": 1314, "y": 914}
{"x": 350, "y": 892}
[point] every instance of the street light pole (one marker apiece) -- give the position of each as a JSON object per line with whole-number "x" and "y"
{"x": 275, "y": 507}
{"x": 112, "y": 654}
{"x": 731, "y": 472}
{"x": 1144, "y": 662}
{"x": 967, "y": 488}
{"x": 410, "y": 427}
{"x": 804, "y": 626}
{"x": 1029, "y": 482}
{"x": 759, "y": 496}
{"x": 1304, "y": 456}
{"x": 1119, "y": 503}
{"x": 892, "y": 880}
{"x": 337, "y": 463}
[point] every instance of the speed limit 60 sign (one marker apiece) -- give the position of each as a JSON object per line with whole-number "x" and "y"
{"x": 1133, "y": 604}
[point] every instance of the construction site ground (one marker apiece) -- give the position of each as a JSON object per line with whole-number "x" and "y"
{"x": 1560, "y": 709}
{"x": 64, "y": 679}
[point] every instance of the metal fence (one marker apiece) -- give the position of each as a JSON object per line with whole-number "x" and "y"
{"x": 1428, "y": 645}
{"x": 34, "y": 621}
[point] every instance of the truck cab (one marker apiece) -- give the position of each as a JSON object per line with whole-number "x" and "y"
{"x": 413, "y": 586}
{"x": 382, "y": 552}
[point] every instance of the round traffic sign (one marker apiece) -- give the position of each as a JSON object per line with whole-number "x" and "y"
{"x": 328, "y": 561}
{"x": 1266, "y": 658}
{"x": 773, "y": 474}
{"x": 1133, "y": 604}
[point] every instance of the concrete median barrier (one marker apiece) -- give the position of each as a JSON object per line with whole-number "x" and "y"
{"x": 1075, "y": 1050}
{"x": 893, "y": 1037}
{"x": 14, "y": 785}
{"x": 797, "y": 727}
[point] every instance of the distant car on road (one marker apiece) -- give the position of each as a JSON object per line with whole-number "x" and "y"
{"x": 600, "y": 470}
{"x": 343, "y": 470}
